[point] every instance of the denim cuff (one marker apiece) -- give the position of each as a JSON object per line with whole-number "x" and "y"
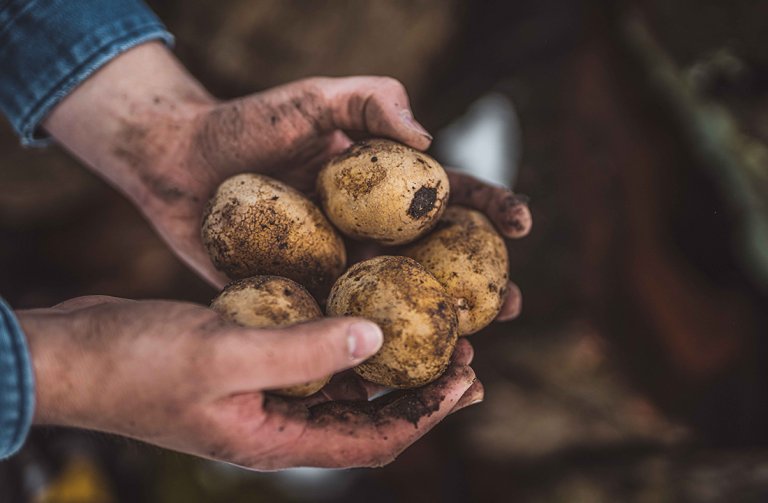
{"x": 50, "y": 46}
{"x": 17, "y": 386}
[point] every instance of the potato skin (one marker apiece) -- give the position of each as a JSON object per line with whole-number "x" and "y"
{"x": 469, "y": 258}
{"x": 383, "y": 191}
{"x": 269, "y": 302}
{"x": 256, "y": 225}
{"x": 415, "y": 313}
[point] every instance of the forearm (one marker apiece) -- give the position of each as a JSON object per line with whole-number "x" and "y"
{"x": 128, "y": 121}
{"x": 58, "y": 392}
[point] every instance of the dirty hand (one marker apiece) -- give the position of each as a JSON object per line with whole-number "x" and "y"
{"x": 176, "y": 375}
{"x": 149, "y": 128}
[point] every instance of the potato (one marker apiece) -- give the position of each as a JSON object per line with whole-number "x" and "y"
{"x": 416, "y": 315}
{"x": 469, "y": 258}
{"x": 256, "y": 225}
{"x": 383, "y": 191}
{"x": 268, "y": 302}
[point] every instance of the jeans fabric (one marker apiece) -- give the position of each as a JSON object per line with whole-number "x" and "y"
{"x": 17, "y": 387}
{"x": 48, "y": 47}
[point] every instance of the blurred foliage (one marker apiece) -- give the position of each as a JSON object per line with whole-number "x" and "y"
{"x": 80, "y": 481}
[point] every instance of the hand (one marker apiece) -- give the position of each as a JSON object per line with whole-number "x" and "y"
{"x": 176, "y": 375}
{"x": 154, "y": 132}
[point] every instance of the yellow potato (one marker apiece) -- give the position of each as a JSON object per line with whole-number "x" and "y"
{"x": 416, "y": 315}
{"x": 256, "y": 225}
{"x": 383, "y": 191}
{"x": 269, "y": 302}
{"x": 469, "y": 258}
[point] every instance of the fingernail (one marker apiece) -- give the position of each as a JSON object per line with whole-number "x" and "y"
{"x": 516, "y": 219}
{"x": 411, "y": 123}
{"x": 508, "y": 317}
{"x": 463, "y": 405}
{"x": 364, "y": 339}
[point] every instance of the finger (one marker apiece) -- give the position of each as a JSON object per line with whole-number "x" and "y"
{"x": 513, "y": 303}
{"x": 273, "y": 359}
{"x": 337, "y": 143}
{"x": 88, "y": 301}
{"x": 463, "y": 353}
{"x": 198, "y": 259}
{"x": 507, "y": 210}
{"x": 376, "y": 105}
{"x": 348, "y": 434}
{"x": 474, "y": 395}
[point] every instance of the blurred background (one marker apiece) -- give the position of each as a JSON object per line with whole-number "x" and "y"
{"x": 639, "y": 129}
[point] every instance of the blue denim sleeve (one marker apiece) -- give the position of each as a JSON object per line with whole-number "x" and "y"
{"x": 17, "y": 387}
{"x": 48, "y": 47}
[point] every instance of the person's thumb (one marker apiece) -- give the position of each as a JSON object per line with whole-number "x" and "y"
{"x": 310, "y": 351}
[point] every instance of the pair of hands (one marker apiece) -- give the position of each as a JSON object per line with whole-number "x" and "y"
{"x": 176, "y": 375}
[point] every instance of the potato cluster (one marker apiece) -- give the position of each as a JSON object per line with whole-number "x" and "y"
{"x": 450, "y": 279}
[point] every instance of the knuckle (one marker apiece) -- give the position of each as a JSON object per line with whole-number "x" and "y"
{"x": 392, "y": 83}
{"x": 313, "y": 89}
{"x": 313, "y": 82}
{"x": 87, "y": 301}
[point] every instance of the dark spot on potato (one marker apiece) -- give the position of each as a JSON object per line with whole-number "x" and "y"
{"x": 423, "y": 202}
{"x": 424, "y": 164}
{"x": 358, "y": 182}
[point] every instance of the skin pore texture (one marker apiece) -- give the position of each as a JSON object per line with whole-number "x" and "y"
{"x": 176, "y": 374}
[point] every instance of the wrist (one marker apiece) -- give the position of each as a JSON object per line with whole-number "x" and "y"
{"x": 129, "y": 122}
{"x": 151, "y": 152}
{"x": 59, "y": 394}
